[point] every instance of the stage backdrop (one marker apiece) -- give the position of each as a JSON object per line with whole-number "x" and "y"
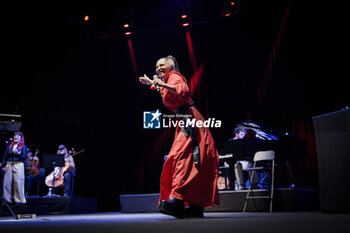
{"x": 75, "y": 81}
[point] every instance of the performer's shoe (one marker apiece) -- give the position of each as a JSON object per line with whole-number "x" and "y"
{"x": 192, "y": 211}
{"x": 173, "y": 207}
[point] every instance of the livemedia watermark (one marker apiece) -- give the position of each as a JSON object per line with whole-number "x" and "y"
{"x": 157, "y": 120}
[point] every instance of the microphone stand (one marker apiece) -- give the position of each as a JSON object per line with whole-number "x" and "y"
{"x": 2, "y": 182}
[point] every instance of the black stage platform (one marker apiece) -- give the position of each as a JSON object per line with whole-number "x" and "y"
{"x": 220, "y": 222}
{"x": 55, "y": 205}
{"x": 233, "y": 201}
{"x": 292, "y": 213}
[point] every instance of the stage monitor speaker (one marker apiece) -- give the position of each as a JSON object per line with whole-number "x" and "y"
{"x": 332, "y": 132}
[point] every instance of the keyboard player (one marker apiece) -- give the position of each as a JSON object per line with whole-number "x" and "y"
{"x": 242, "y": 165}
{"x": 260, "y": 138}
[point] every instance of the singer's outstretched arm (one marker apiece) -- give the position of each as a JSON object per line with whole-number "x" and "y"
{"x": 157, "y": 81}
{"x": 145, "y": 80}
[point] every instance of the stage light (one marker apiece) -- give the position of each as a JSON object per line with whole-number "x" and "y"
{"x": 185, "y": 19}
{"x": 86, "y": 18}
{"x": 229, "y": 8}
{"x": 128, "y": 28}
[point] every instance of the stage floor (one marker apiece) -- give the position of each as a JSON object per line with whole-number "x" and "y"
{"x": 286, "y": 200}
{"x": 219, "y": 222}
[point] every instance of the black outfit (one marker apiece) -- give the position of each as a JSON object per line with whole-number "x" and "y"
{"x": 68, "y": 181}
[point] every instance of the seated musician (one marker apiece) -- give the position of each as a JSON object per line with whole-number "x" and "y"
{"x": 62, "y": 150}
{"x": 242, "y": 165}
{"x": 34, "y": 173}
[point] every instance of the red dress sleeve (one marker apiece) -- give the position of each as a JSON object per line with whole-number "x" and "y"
{"x": 182, "y": 97}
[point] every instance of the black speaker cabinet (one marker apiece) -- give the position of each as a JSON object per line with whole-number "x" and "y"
{"x": 332, "y": 132}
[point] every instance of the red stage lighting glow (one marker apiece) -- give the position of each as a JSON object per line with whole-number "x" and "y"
{"x": 183, "y": 16}
{"x": 126, "y": 25}
{"x": 133, "y": 59}
{"x": 86, "y": 18}
{"x": 232, "y": 3}
{"x": 185, "y": 24}
{"x": 191, "y": 51}
{"x": 228, "y": 14}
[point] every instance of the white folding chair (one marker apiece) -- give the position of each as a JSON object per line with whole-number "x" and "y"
{"x": 268, "y": 158}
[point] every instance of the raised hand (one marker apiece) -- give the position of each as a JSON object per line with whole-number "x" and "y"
{"x": 17, "y": 152}
{"x": 158, "y": 81}
{"x": 145, "y": 80}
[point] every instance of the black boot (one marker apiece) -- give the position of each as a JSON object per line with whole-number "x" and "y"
{"x": 173, "y": 207}
{"x": 192, "y": 211}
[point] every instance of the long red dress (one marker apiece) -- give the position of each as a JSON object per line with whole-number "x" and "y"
{"x": 181, "y": 178}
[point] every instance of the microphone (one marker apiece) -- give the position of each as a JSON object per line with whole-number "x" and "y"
{"x": 155, "y": 87}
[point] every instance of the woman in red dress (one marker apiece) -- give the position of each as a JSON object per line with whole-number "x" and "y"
{"x": 190, "y": 171}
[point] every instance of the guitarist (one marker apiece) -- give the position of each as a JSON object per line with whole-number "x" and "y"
{"x": 71, "y": 170}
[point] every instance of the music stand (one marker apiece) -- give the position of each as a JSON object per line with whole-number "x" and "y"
{"x": 52, "y": 161}
{"x": 9, "y": 122}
